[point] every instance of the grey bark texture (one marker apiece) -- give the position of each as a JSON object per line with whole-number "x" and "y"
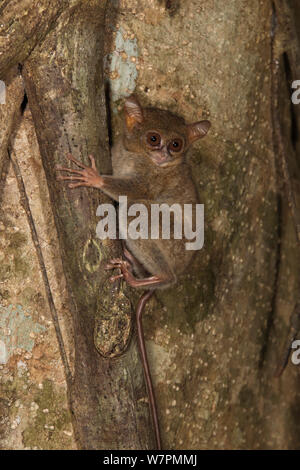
{"x": 215, "y": 339}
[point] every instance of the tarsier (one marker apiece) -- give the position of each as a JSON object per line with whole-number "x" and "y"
{"x": 149, "y": 167}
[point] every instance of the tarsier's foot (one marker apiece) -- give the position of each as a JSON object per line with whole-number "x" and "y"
{"x": 126, "y": 274}
{"x": 119, "y": 263}
{"x": 87, "y": 176}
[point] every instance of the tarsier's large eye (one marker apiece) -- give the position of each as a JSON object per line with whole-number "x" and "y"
{"x": 153, "y": 139}
{"x": 175, "y": 145}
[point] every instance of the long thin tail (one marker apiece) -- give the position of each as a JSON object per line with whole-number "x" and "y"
{"x": 139, "y": 311}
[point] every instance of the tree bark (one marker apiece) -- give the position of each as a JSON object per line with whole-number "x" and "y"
{"x": 23, "y": 25}
{"x": 221, "y": 331}
{"x": 9, "y": 114}
{"x": 215, "y": 339}
{"x": 64, "y": 84}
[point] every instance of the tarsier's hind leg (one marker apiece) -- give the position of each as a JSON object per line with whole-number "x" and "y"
{"x": 129, "y": 277}
{"x": 162, "y": 275}
{"x": 137, "y": 267}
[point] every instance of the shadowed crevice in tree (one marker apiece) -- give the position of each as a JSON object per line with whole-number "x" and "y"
{"x": 3, "y": 176}
{"x": 271, "y": 316}
{"x": 24, "y": 104}
{"x": 10, "y": 118}
{"x": 108, "y": 113}
{"x": 293, "y": 117}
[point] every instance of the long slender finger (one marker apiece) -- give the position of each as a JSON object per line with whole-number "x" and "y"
{"x": 75, "y": 177}
{"x": 116, "y": 261}
{"x": 91, "y": 157}
{"x": 111, "y": 266}
{"x": 76, "y": 185}
{"x": 70, "y": 157}
{"x": 70, "y": 170}
{"x": 114, "y": 278}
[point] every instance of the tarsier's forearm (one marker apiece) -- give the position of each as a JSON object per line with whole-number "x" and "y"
{"x": 110, "y": 185}
{"x": 115, "y": 187}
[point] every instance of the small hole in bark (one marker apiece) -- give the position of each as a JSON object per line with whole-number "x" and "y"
{"x": 172, "y": 6}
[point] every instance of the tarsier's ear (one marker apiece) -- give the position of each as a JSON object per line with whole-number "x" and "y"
{"x": 133, "y": 112}
{"x": 197, "y": 130}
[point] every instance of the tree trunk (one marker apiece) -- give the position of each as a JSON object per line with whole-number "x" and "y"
{"x": 64, "y": 85}
{"x": 216, "y": 339}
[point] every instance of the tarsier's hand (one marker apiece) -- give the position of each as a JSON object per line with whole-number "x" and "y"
{"x": 87, "y": 176}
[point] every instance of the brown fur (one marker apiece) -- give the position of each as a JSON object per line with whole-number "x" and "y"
{"x": 149, "y": 183}
{"x": 150, "y": 173}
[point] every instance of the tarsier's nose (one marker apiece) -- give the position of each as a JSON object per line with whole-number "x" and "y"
{"x": 161, "y": 156}
{"x": 165, "y": 152}
{"x": 165, "y": 155}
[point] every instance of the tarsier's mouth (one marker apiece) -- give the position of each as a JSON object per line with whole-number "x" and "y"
{"x": 159, "y": 158}
{"x": 161, "y": 161}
